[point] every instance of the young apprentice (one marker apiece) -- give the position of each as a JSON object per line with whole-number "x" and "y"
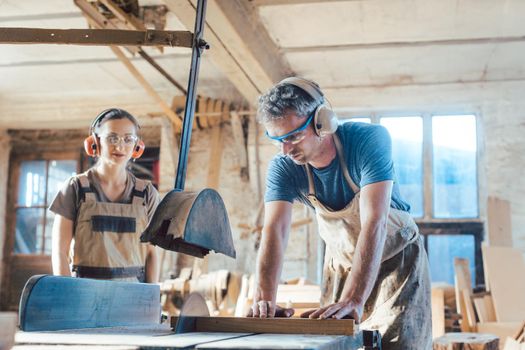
{"x": 101, "y": 213}
{"x": 375, "y": 265}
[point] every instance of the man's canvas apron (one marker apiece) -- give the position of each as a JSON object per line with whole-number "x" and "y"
{"x": 107, "y": 236}
{"x": 399, "y": 305}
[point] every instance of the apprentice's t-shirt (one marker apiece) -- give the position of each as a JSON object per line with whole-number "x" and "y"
{"x": 368, "y": 154}
{"x": 67, "y": 200}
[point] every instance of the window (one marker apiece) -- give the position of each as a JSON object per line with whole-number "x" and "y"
{"x": 446, "y": 248}
{"x": 407, "y": 153}
{"x": 454, "y": 166}
{"x": 435, "y": 159}
{"x": 38, "y": 182}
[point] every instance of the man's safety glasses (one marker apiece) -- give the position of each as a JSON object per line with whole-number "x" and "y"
{"x": 293, "y": 137}
{"x": 128, "y": 140}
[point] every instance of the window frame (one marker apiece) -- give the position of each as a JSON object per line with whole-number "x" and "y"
{"x": 18, "y": 267}
{"x": 428, "y": 225}
{"x": 14, "y": 180}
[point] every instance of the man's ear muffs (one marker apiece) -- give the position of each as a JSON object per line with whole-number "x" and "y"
{"x": 91, "y": 145}
{"x": 325, "y": 119}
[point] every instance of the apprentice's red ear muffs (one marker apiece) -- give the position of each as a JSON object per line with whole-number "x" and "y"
{"x": 138, "y": 150}
{"x": 91, "y": 145}
{"x": 325, "y": 119}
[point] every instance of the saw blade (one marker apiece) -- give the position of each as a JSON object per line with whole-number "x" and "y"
{"x": 194, "y": 306}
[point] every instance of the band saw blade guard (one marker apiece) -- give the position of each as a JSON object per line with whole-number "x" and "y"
{"x": 191, "y": 222}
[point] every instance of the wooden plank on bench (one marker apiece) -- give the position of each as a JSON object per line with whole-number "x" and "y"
{"x": 272, "y": 325}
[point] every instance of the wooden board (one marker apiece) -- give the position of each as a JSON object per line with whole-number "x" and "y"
{"x": 506, "y": 270}
{"x": 56, "y": 302}
{"x": 273, "y": 325}
{"x": 485, "y": 308}
{"x": 463, "y": 288}
{"x": 202, "y": 108}
{"x": 470, "y": 315}
{"x": 499, "y": 222}
{"x": 438, "y": 312}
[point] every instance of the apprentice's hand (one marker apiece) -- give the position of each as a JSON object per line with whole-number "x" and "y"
{"x": 342, "y": 309}
{"x": 267, "y": 309}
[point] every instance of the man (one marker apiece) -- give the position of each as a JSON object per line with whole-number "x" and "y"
{"x": 375, "y": 265}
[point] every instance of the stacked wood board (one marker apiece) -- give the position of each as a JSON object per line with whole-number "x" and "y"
{"x": 501, "y": 311}
{"x": 505, "y": 269}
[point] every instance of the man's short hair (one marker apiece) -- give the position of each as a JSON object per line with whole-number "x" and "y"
{"x": 283, "y": 99}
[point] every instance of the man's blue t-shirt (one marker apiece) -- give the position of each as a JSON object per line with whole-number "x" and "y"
{"x": 368, "y": 153}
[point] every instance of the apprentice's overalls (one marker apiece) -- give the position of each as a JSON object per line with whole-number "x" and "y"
{"x": 107, "y": 236}
{"x": 399, "y": 305}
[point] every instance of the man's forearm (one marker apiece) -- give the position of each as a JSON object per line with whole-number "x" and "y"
{"x": 269, "y": 265}
{"x": 366, "y": 263}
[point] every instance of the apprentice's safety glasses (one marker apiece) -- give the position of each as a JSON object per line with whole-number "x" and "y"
{"x": 293, "y": 137}
{"x": 127, "y": 140}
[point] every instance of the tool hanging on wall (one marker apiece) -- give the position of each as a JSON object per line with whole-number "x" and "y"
{"x": 191, "y": 222}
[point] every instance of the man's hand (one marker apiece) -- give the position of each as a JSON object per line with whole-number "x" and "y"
{"x": 267, "y": 309}
{"x": 342, "y": 309}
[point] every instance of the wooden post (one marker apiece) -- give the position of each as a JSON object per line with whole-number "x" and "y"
{"x": 240, "y": 145}
{"x": 466, "y": 341}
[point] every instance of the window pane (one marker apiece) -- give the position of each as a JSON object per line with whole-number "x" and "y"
{"x": 454, "y": 166}
{"x": 31, "y": 183}
{"x": 407, "y": 152}
{"x": 442, "y": 249}
{"x": 58, "y": 172}
{"x": 29, "y": 230}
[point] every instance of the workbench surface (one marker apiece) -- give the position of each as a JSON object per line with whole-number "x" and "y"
{"x": 163, "y": 338}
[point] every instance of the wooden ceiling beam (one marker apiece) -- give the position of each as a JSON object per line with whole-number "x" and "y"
{"x": 405, "y": 44}
{"x": 96, "y": 19}
{"x": 94, "y": 37}
{"x": 236, "y": 44}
